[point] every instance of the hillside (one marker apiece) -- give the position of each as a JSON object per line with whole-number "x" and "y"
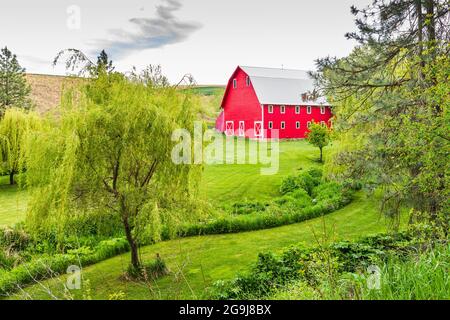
{"x": 46, "y": 89}
{"x": 46, "y": 93}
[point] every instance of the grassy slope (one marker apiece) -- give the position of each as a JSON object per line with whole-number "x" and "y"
{"x": 12, "y": 203}
{"x": 198, "y": 261}
{"x": 231, "y": 183}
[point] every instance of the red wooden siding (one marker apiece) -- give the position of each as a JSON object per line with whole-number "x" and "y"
{"x": 241, "y": 107}
{"x": 241, "y": 104}
{"x": 291, "y": 118}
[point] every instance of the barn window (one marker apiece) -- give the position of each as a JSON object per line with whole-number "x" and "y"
{"x": 308, "y": 109}
{"x": 270, "y": 125}
{"x": 322, "y": 123}
{"x": 248, "y": 81}
{"x": 283, "y": 125}
{"x": 270, "y": 109}
{"x": 234, "y": 83}
{"x": 322, "y": 110}
{"x": 297, "y": 124}
{"x": 309, "y": 124}
{"x": 297, "y": 109}
{"x": 282, "y": 109}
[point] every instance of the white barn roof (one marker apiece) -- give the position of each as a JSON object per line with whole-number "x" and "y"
{"x": 281, "y": 86}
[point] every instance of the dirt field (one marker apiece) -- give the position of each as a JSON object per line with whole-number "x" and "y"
{"x": 46, "y": 90}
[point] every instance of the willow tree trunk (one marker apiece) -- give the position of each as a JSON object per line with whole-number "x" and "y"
{"x": 11, "y": 178}
{"x": 321, "y": 154}
{"x": 133, "y": 245}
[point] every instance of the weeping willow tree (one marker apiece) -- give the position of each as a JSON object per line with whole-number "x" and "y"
{"x": 111, "y": 151}
{"x": 14, "y": 127}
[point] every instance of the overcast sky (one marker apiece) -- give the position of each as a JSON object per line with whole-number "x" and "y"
{"x": 207, "y": 38}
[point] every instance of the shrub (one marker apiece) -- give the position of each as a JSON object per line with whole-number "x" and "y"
{"x": 149, "y": 271}
{"x": 241, "y": 208}
{"x": 312, "y": 266}
{"x": 304, "y": 180}
{"x": 47, "y": 266}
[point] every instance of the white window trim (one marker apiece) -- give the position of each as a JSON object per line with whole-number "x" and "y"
{"x": 297, "y": 109}
{"x": 226, "y": 128}
{"x": 242, "y": 128}
{"x": 322, "y": 123}
{"x": 270, "y": 124}
{"x": 322, "y": 110}
{"x": 234, "y": 83}
{"x": 282, "y": 109}
{"x": 270, "y": 108}
{"x": 283, "y": 125}
{"x": 297, "y": 125}
{"x": 308, "y": 125}
{"x": 308, "y": 109}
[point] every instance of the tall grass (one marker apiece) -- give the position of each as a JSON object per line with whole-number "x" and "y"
{"x": 421, "y": 277}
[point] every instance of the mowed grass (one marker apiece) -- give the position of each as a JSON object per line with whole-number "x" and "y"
{"x": 224, "y": 184}
{"x": 13, "y": 203}
{"x": 197, "y": 262}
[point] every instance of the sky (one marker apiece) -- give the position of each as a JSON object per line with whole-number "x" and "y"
{"x": 205, "y": 38}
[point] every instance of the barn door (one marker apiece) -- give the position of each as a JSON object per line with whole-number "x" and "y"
{"x": 258, "y": 129}
{"x": 241, "y": 128}
{"x": 229, "y": 131}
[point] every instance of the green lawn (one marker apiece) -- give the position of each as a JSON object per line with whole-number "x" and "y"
{"x": 198, "y": 261}
{"x": 224, "y": 184}
{"x": 13, "y": 203}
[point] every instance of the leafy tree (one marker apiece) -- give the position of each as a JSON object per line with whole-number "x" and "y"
{"x": 112, "y": 151}
{"x": 152, "y": 76}
{"x": 103, "y": 63}
{"x": 319, "y": 136}
{"x": 77, "y": 60}
{"x": 390, "y": 97}
{"x": 14, "y": 89}
{"x": 14, "y": 127}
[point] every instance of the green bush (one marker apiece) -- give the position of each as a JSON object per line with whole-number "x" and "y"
{"x": 310, "y": 265}
{"x": 306, "y": 180}
{"x": 47, "y": 266}
{"x": 149, "y": 271}
{"x": 240, "y": 208}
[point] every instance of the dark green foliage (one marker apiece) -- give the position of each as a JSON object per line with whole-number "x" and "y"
{"x": 249, "y": 207}
{"x": 274, "y": 271}
{"x": 46, "y": 266}
{"x": 104, "y": 64}
{"x": 390, "y": 97}
{"x": 297, "y": 204}
{"x": 149, "y": 271}
{"x": 305, "y": 180}
{"x": 14, "y": 89}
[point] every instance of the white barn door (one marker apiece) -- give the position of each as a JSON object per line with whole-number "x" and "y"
{"x": 258, "y": 129}
{"x": 229, "y": 130}
{"x": 241, "y": 128}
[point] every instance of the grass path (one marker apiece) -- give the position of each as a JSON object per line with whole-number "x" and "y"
{"x": 13, "y": 203}
{"x": 199, "y": 261}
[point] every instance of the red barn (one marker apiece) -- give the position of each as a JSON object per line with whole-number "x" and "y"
{"x": 258, "y": 100}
